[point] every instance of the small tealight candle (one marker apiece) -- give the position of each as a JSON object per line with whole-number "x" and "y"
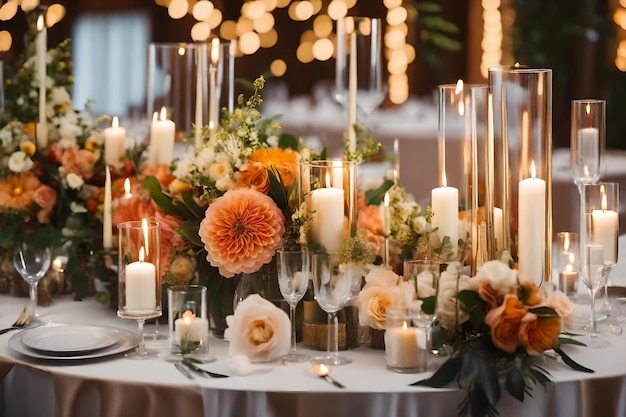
{"x": 190, "y": 328}
{"x": 568, "y": 280}
{"x": 405, "y": 345}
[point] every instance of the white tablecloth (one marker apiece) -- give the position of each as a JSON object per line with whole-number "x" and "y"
{"x": 124, "y": 387}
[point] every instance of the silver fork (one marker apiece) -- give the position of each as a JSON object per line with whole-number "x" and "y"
{"x": 23, "y": 320}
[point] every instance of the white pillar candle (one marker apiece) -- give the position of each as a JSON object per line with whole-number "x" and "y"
{"x": 199, "y": 94}
{"x": 352, "y": 90}
{"x": 604, "y": 224}
{"x": 531, "y": 227}
{"x": 328, "y": 217}
{"x": 162, "y": 135}
{"x": 190, "y": 328}
{"x": 114, "y": 142}
{"x": 107, "y": 229}
{"x": 588, "y": 143}
{"x": 445, "y": 207}
{"x": 40, "y": 63}
{"x": 402, "y": 347}
{"x": 140, "y": 285}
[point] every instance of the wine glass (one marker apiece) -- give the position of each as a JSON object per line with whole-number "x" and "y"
{"x": 367, "y": 59}
{"x": 139, "y": 277}
{"x": 293, "y": 279}
{"x": 600, "y": 210}
{"x": 32, "y": 263}
{"x": 332, "y": 290}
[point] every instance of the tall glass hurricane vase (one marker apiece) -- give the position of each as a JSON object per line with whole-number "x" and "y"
{"x": 522, "y": 109}
{"x": 139, "y": 276}
{"x": 587, "y": 141}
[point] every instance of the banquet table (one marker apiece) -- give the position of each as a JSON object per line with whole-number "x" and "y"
{"x": 117, "y": 386}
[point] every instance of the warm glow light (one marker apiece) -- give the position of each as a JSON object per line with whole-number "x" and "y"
{"x": 115, "y": 122}
{"x": 178, "y": 9}
{"x": 566, "y": 242}
{"x": 200, "y": 31}
{"x": 303, "y": 10}
{"x": 188, "y": 317}
{"x": 5, "y": 40}
{"x": 304, "y": 53}
{"x": 255, "y": 9}
{"x": 28, "y": 5}
{"x": 459, "y": 87}
{"x": 215, "y": 51}
{"x": 8, "y": 10}
{"x": 41, "y": 23}
{"x": 322, "y": 26}
{"x": 390, "y": 4}
{"x": 268, "y": 39}
{"x": 244, "y": 25}
{"x": 604, "y": 200}
{"x": 269, "y": 4}
{"x": 264, "y": 24}
{"x": 228, "y": 29}
{"x": 588, "y": 109}
{"x": 323, "y": 49}
{"x": 249, "y": 43}
{"x": 54, "y": 14}
{"x": 444, "y": 181}
{"x": 144, "y": 228}
{"x": 317, "y": 5}
{"x": 337, "y": 10}
{"x": 127, "y": 193}
{"x": 202, "y": 10}
{"x": 215, "y": 18}
{"x": 278, "y": 67}
{"x": 533, "y": 171}
{"x": 163, "y": 114}
{"x": 141, "y": 254}
{"x": 396, "y": 15}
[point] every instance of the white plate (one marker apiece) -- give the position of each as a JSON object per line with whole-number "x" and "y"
{"x": 126, "y": 341}
{"x": 69, "y": 339}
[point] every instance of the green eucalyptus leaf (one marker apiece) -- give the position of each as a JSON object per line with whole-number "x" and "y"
{"x": 152, "y": 185}
{"x": 444, "y": 375}
{"x": 429, "y": 304}
{"x": 287, "y": 140}
{"x": 277, "y": 192}
{"x": 375, "y": 197}
{"x": 544, "y": 312}
{"x": 569, "y": 341}
{"x": 469, "y": 299}
{"x": 571, "y": 362}
{"x": 514, "y": 383}
{"x": 189, "y": 231}
{"x": 195, "y": 210}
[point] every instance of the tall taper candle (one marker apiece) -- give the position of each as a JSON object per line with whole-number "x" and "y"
{"x": 531, "y": 227}
{"x": 352, "y": 90}
{"x": 199, "y": 93}
{"x": 107, "y": 229}
{"x": 40, "y": 53}
{"x": 213, "y": 104}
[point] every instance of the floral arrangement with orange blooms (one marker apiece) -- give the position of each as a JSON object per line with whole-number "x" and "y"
{"x": 52, "y": 192}
{"x": 234, "y": 195}
{"x": 497, "y": 325}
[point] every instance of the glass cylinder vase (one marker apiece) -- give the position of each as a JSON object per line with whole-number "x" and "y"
{"x": 327, "y": 190}
{"x": 139, "y": 285}
{"x": 587, "y": 140}
{"x": 464, "y": 161}
{"x": 522, "y": 109}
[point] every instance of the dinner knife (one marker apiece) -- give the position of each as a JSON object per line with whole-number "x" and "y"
{"x": 183, "y": 370}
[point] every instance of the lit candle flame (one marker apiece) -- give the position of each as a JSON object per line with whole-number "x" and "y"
{"x": 459, "y": 87}
{"x": 328, "y": 184}
{"x": 566, "y": 242}
{"x": 572, "y": 260}
{"x": 215, "y": 51}
{"x": 41, "y": 22}
{"x": 404, "y": 326}
{"x": 444, "y": 181}
{"x": 127, "y": 193}
{"x": 115, "y": 122}
{"x": 457, "y": 91}
{"x": 588, "y": 108}
{"x": 163, "y": 115}
{"x": 604, "y": 200}
{"x": 181, "y": 51}
{"x": 533, "y": 171}
{"x": 188, "y": 316}
{"x": 141, "y": 254}
{"x": 155, "y": 116}
{"x": 386, "y": 199}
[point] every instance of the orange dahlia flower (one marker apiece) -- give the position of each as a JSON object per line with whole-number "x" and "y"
{"x": 281, "y": 161}
{"x": 505, "y": 322}
{"x": 241, "y": 231}
{"x": 17, "y": 191}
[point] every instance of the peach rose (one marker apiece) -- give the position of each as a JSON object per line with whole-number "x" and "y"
{"x": 530, "y": 294}
{"x": 373, "y": 303}
{"x": 488, "y": 294}
{"x": 45, "y": 196}
{"x": 538, "y": 335}
{"x": 381, "y": 277}
{"x": 505, "y": 322}
{"x": 562, "y": 305}
{"x": 282, "y": 162}
{"x": 79, "y": 161}
{"x": 259, "y": 330}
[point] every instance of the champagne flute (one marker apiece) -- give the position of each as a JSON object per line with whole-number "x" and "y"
{"x": 332, "y": 289}
{"x": 293, "y": 279}
{"x": 599, "y": 244}
{"x": 371, "y": 89}
{"x": 32, "y": 263}
{"x": 139, "y": 277}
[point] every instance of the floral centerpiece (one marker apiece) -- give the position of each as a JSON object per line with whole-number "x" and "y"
{"x": 51, "y": 194}
{"x": 497, "y": 326}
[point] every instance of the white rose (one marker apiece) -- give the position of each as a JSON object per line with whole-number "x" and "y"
{"x": 450, "y": 284}
{"x": 60, "y": 96}
{"x": 425, "y": 287}
{"x": 20, "y": 162}
{"x": 74, "y": 181}
{"x": 259, "y": 330}
{"x": 502, "y": 278}
{"x": 562, "y": 305}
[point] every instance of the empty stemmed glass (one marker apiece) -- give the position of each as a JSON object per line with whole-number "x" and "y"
{"x": 600, "y": 227}
{"x": 332, "y": 289}
{"x": 293, "y": 280}
{"x": 32, "y": 262}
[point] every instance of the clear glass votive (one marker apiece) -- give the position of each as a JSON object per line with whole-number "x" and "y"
{"x": 406, "y": 341}
{"x": 188, "y": 321}
{"x": 568, "y": 262}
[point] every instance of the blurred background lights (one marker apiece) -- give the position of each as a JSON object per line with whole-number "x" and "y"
{"x": 278, "y": 67}
{"x": 323, "y": 49}
{"x": 178, "y": 9}
{"x": 337, "y": 9}
{"x": 249, "y": 43}
{"x": 5, "y": 40}
{"x": 263, "y": 24}
{"x": 491, "y": 44}
{"x": 200, "y": 31}
{"x": 202, "y": 10}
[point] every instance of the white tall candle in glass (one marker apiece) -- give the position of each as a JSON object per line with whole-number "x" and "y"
{"x": 605, "y": 229}
{"x": 107, "y": 230}
{"x": 40, "y": 60}
{"x": 328, "y": 217}
{"x": 402, "y": 347}
{"x": 162, "y": 136}
{"x": 498, "y": 227}
{"x": 213, "y": 104}
{"x": 114, "y": 142}
{"x": 445, "y": 207}
{"x": 531, "y": 227}
{"x": 588, "y": 143}
{"x": 199, "y": 94}
{"x": 140, "y": 285}
{"x": 190, "y": 328}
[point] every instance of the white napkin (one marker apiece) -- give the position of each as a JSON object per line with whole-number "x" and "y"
{"x": 241, "y": 365}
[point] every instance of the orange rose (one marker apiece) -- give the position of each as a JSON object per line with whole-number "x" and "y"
{"x": 45, "y": 196}
{"x": 530, "y": 294}
{"x": 17, "y": 191}
{"x": 537, "y": 335}
{"x": 505, "y": 322}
